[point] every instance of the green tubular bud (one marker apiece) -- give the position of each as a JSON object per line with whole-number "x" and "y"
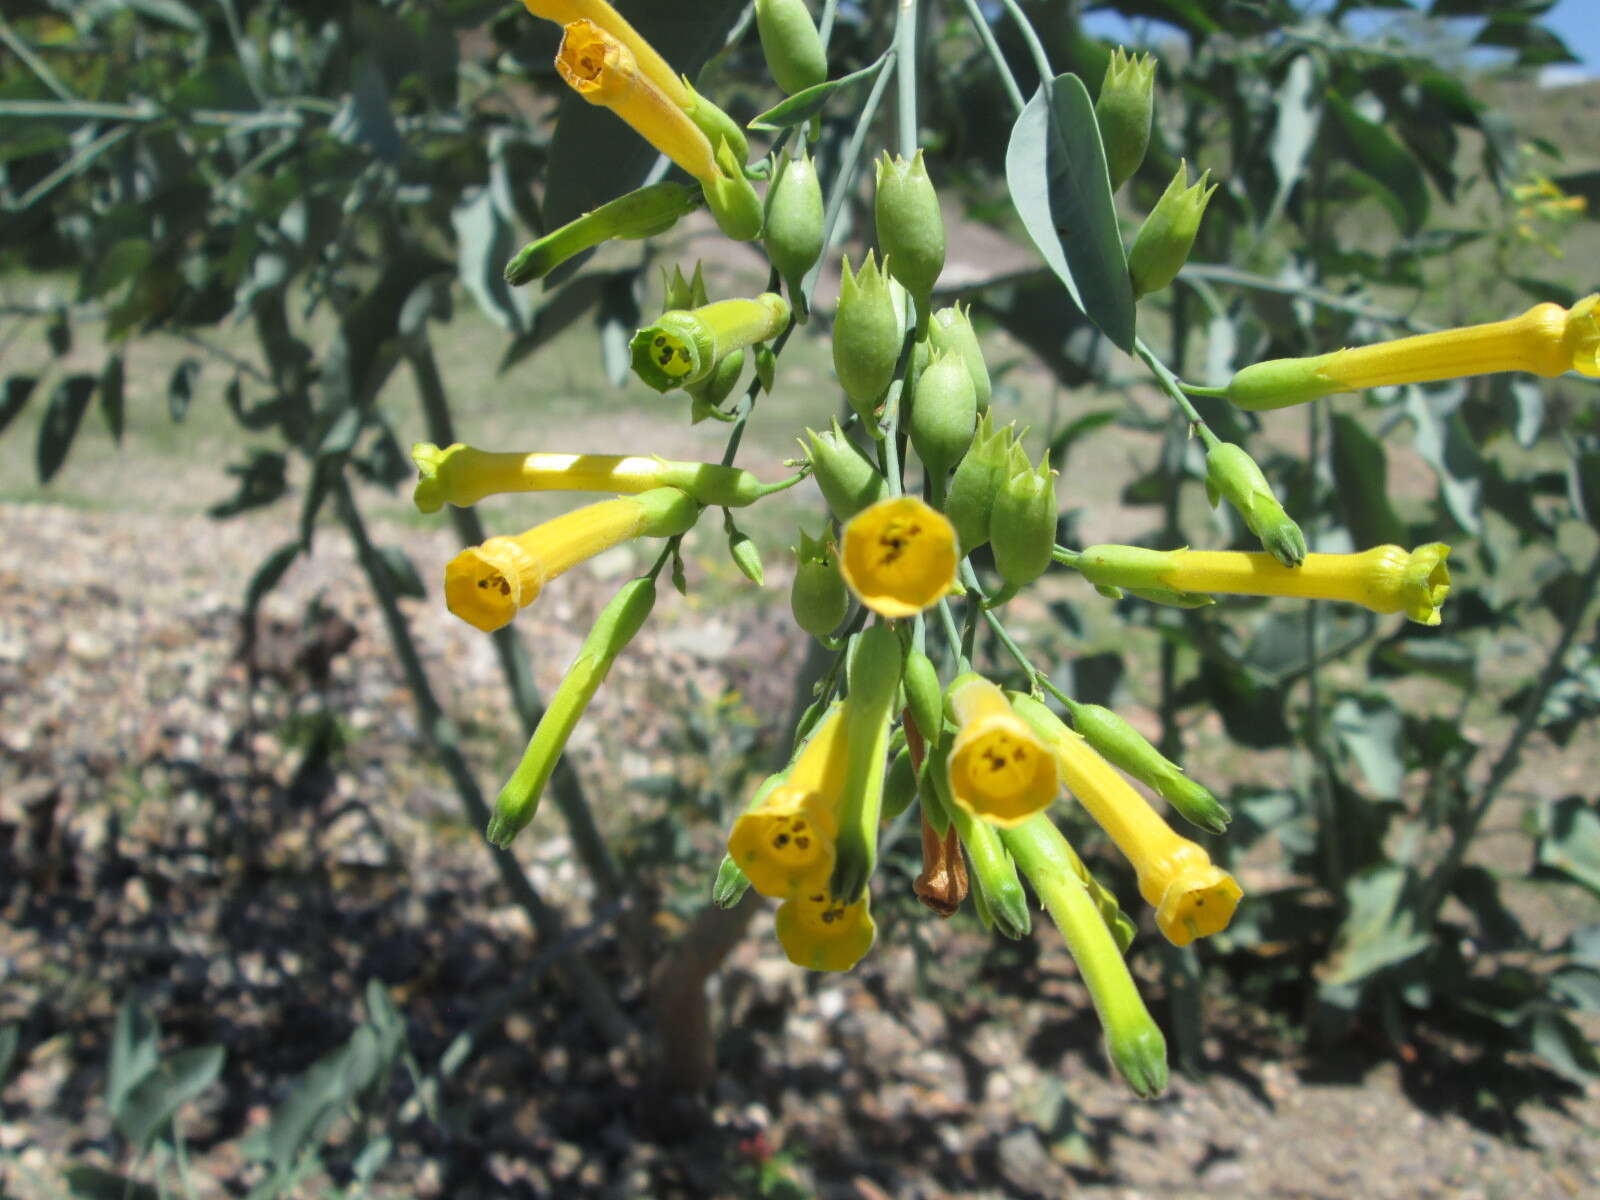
{"x": 1131, "y": 752}
{"x": 746, "y": 555}
{"x": 639, "y": 214}
{"x": 1133, "y": 1040}
{"x": 731, "y": 882}
{"x": 766, "y": 367}
{"x": 731, "y": 197}
{"x": 1022, "y": 527}
{"x": 924, "y": 695}
{"x": 1131, "y": 567}
{"x": 1124, "y": 111}
{"x": 1167, "y": 236}
{"x": 613, "y": 629}
{"x": 793, "y": 232}
{"x": 682, "y": 346}
{"x": 944, "y": 412}
{"x": 933, "y": 785}
{"x": 874, "y": 675}
{"x": 979, "y": 476}
{"x": 818, "y": 597}
{"x": 951, "y": 329}
{"x": 717, "y": 125}
{"x": 1232, "y": 475}
{"x": 1281, "y": 382}
{"x": 994, "y": 873}
{"x": 793, "y": 48}
{"x": 849, "y": 482}
{"x": 866, "y": 337}
{"x": 900, "y": 788}
{"x": 910, "y": 228}
{"x": 718, "y": 386}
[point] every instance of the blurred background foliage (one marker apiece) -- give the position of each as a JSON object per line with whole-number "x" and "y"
{"x": 305, "y": 194}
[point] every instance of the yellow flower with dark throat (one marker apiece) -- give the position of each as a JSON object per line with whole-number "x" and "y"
{"x": 999, "y": 769}
{"x": 485, "y": 585}
{"x": 898, "y": 556}
{"x": 822, "y": 933}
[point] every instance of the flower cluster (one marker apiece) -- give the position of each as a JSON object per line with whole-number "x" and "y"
{"x": 917, "y": 475}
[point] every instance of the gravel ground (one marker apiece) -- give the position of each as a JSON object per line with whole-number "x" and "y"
{"x": 174, "y": 826}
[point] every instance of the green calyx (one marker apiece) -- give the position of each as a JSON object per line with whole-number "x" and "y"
{"x": 639, "y": 214}
{"x": 978, "y": 478}
{"x": 951, "y": 330}
{"x": 1022, "y": 527}
{"x": 1131, "y": 752}
{"x": 848, "y": 480}
{"x": 793, "y": 231}
{"x": 1282, "y": 382}
{"x": 867, "y": 330}
{"x": 818, "y": 597}
{"x": 1132, "y": 567}
{"x": 1124, "y": 111}
{"x": 731, "y": 197}
{"x": 791, "y": 44}
{"x": 910, "y": 228}
{"x": 944, "y": 413}
{"x": 1167, "y": 236}
{"x": 718, "y": 126}
{"x": 1232, "y": 475}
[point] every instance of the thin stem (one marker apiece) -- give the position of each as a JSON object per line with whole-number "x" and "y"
{"x": 905, "y": 72}
{"x": 34, "y": 63}
{"x": 1260, "y": 283}
{"x": 439, "y": 732}
{"x": 986, "y": 36}
{"x": 1169, "y": 384}
{"x": 1041, "y": 60}
{"x": 825, "y": 26}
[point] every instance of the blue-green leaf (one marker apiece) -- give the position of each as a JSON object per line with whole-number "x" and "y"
{"x": 803, "y": 105}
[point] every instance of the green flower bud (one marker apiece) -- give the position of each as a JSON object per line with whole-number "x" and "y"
{"x": 613, "y": 629}
{"x": 1023, "y": 524}
{"x": 716, "y": 387}
{"x": 867, "y": 331}
{"x": 731, "y": 197}
{"x": 789, "y": 40}
{"x": 993, "y": 873}
{"x": 944, "y": 412}
{"x": 1124, "y": 111}
{"x": 639, "y": 214}
{"x": 683, "y": 346}
{"x": 731, "y": 882}
{"x": 924, "y": 695}
{"x": 746, "y": 554}
{"x": 1128, "y": 750}
{"x": 766, "y": 367}
{"x": 849, "y": 482}
{"x": 1167, "y": 236}
{"x": 1131, "y": 567}
{"x": 910, "y": 228}
{"x": 978, "y": 478}
{"x": 717, "y": 125}
{"x": 1232, "y": 475}
{"x": 818, "y": 597}
{"x": 1133, "y": 1040}
{"x": 793, "y": 232}
{"x": 951, "y": 329}
{"x": 900, "y": 788}
{"x": 874, "y": 677}
{"x": 1281, "y": 382}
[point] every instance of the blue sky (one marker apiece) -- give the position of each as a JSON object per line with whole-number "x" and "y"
{"x": 1578, "y": 23}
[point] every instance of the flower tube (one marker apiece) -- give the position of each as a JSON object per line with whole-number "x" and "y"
{"x": 682, "y": 346}
{"x": 898, "y": 556}
{"x": 462, "y": 475}
{"x": 1385, "y": 579}
{"x": 1192, "y": 898}
{"x": 485, "y": 585}
{"x": 1547, "y": 340}
{"x": 999, "y": 769}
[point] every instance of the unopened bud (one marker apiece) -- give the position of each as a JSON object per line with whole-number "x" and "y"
{"x": 746, "y": 554}
{"x": 1167, "y": 236}
{"x": 951, "y": 329}
{"x": 731, "y": 197}
{"x": 1130, "y": 751}
{"x": 867, "y": 331}
{"x": 1022, "y": 527}
{"x": 793, "y": 232}
{"x": 910, "y": 228}
{"x": 944, "y": 411}
{"x": 1232, "y": 475}
{"x": 790, "y": 42}
{"x": 818, "y": 597}
{"x": 978, "y": 478}
{"x": 1124, "y": 110}
{"x": 849, "y": 482}
{"x": 924, "y": 695}
{"x": 900, "y": 788}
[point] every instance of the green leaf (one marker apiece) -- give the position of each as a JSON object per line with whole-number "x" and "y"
{"x": 135, "y": 1050}
{"x": 1056, "y": 171}
{"x": 267, "y": 576}
{"x": 125, "y": 259}
{"x": 173, "y": 12}
{"x": 403, "y": 577}
{"x": 9, "y": 1036}
{"x": 1569, "y": 843}
{"x": 484, "y": 241}
{"x": 159, "y": 1096}
{"x": 19, "y": 390}
{"x": 68, "y": 403}
{"x": 1368, "y": 727}
{"x": 1299, "y": 113}
{"x": 1379, "y": 930}
{"x": 1384, "y": 159}
{"x": 1361, "y": 478}
{"x": 1565, "y": 1047}
{"x": 113, "y": 396}
{"x": 1447, "y": 445}
{"x": 262, "y": 479}
{"x": 803, "y": 105}
{"x": 97, "y": 1183}
{"x": 180, "y": 388}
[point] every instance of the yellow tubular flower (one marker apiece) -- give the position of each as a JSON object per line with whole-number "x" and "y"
{"x": 898, "y": 556}
{"x": 602, "y": 15}
{"x": 785, "y": 844}
{"x": 486, "y": 585}
{"x": 1192, "y": 897}
{"x": 1386, "y": 579}
{"x": 999, "y": 769}
{"x": 604, "y": 71}
{"x": 824, "y": 934}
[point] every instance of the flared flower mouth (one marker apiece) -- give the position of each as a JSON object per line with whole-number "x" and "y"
{"x": 1583, "y": 335}
{"x": 1427, "y": 583}
{"x": 1197, "y": 904}
{"x": 822, "y": 933}
{"x": 667, "y": 355}
{"x": 486, "y": 585}
{"x": 785, "y": 846}
{"x": 1000, "y": 771}
{"x": 899, "y": 556}
{"x": 429, "y": 496}
{"x": 591, "y": 61}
